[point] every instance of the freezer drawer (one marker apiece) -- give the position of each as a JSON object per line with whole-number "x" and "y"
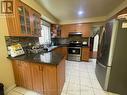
{"x": 102, "y": 74}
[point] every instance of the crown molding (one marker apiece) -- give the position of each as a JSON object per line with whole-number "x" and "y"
{"x": 86, "y": 20}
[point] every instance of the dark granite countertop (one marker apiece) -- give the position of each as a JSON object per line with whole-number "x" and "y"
{"x": 85, "y": 47}
{"x": 52, "y": 58}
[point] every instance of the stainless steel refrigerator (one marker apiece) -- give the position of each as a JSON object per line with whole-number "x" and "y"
{"x": 111, "y": 64}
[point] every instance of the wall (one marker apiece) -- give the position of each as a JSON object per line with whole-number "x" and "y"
{"x": 6, "y": 72}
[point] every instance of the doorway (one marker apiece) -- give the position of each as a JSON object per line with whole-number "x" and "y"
{"x": 95, "y": 45}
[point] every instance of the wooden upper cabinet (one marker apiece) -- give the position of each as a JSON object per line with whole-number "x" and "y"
{"x": 24, "y": 19}
{"x": 13, "y": 21}
{"x": 23, "y": 22}
{"x": 36, "y": 23}
{"x": 65, "y": 29}
{"x": 85, "y": 29}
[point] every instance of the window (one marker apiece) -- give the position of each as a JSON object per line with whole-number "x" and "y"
{"x": 45, "y": 33}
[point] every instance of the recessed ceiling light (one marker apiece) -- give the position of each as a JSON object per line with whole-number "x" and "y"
{"x": 80, "y": 12}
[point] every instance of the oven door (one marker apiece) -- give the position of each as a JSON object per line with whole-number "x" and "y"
{"x": 74, "y": 50}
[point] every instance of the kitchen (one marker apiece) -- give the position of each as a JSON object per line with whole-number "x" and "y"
{"x": 18, "y": 29}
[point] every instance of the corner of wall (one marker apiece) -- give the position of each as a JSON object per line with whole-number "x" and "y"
{"x": 6, "y": 72}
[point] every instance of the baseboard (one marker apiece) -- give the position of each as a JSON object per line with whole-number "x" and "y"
{"x": 9, "y": 89}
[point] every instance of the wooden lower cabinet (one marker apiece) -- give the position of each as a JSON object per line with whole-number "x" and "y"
{"x": 22, "y": 74}
{"x": 58, "y": 50}
{"x": 50, "y": 80}
{"x": 62, "y": 50}
{"x": 85, "y": 54}
{"x": 61, "y": 75}
{"x": 37, "y": 77}
{"x": 43, "y": 78}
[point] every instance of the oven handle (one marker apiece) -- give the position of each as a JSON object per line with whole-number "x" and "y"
{"x": 75, "y": 47}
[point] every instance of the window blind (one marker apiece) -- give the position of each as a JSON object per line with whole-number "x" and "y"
{"x": 45, "y": 33}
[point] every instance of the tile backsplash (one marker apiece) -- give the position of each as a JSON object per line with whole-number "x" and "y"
{"x": 65, "y": 41}
{"x": 24, "y": 41}
{"x": 59, "y": 41}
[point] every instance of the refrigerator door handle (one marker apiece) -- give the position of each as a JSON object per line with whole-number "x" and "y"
{"x": 101, "y": 65}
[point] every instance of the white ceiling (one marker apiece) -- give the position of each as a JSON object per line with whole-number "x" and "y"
{"x": 66, "y": 10}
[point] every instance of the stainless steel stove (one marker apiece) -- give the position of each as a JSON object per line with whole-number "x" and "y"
{"x": 74, "y": 53}
{"x": 74, "y": 48}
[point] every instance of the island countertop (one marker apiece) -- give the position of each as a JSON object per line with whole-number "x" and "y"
{"x": 51, "y": 57}
{"x": 42, "y": 72}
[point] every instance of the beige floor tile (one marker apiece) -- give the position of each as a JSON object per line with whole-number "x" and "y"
{"x": 80, "y": 80}
{"x": 14, "y": 93}
{"x": 99, "y": 92}
{"x": 86, "y": 91}
{"x": 109, "y": 93}
{"x": 20, "y": 90}
{"x": 31, "y": 93}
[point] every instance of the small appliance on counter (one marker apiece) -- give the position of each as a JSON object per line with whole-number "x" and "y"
{"x": 85, "y": 43}
{"x": 37, "y": 48}
{"x": 15, "y": 50}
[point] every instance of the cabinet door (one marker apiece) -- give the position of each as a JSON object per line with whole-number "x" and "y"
{"x": 58, "y": 50}
{"x": 22, "y": 74}
{"x": 36, "y": 23}
{"x": 64, "y": 51}
{"x": 25, "y": 22}
{"x": 12, "y": 21}
{"x": 61, "y": 75}
{"x": 50, "y": 81}
{"x": 85, "y": 29}
{"x": 66, "y": 29}
{"x": 85, "y": 54}
{"x": 17, "y": 67}
{"x": 24, "y": 19}
{"x": 37, "y": 77}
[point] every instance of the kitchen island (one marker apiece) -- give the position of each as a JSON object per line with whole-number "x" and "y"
{"x": 42, "y": 72}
